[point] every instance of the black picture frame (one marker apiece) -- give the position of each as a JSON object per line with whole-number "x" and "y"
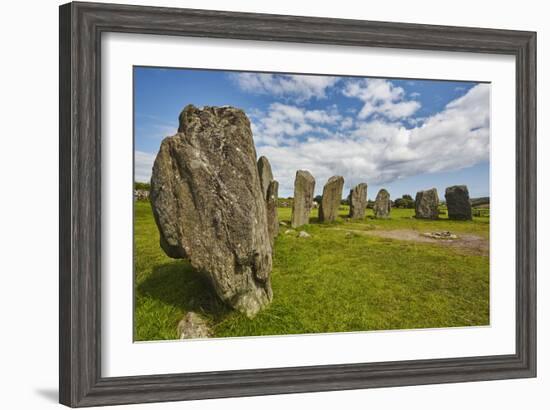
{"x": 81, "y": 27}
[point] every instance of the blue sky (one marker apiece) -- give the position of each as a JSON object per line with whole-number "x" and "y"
{"x": 402, "y": 135}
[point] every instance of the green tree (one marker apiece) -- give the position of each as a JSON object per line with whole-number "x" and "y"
{"x": 405, "y": 201}
{"x": 142, "y": 185}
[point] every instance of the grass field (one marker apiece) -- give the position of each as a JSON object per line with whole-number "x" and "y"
{"x": 342, "y": 279}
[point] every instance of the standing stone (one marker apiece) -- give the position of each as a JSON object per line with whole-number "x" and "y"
{"x": 266, "y": 176}
{"x": 332, "y": 196}
{"x": 270, "y": 192}
{"x": 272, "y": 216}
{"x": 458, "y": 202}
{"x": 208, "y": 205}
{"x": 426, "y": 204}
{"x": 358, "y": 201}
{"x": 382, "y": 204}
{"x": 304, "y": 187}
{"x": 193, "y": 326}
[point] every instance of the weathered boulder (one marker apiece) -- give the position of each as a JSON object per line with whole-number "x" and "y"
{"x": 426, "y": 204}
{"x": 358, "y": 201}
{"x": 266, "y": 176}
{"x": 382, "y": 204}
{"x": 457, "y": 198}
{"x": 271, "y": 206}
{"x": 208, "y": 205}
{"x": 304, "y": 187}
{"x": 332, "y": 196}
{"x": 193, "y": 326}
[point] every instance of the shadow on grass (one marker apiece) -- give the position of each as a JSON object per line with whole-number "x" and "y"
{"x": 180, "y": 285}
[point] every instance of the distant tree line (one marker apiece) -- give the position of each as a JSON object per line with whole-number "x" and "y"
{"x": 480, "y": 201}
{"x": 405, "y": 201}
{"x": 142, "y": 185}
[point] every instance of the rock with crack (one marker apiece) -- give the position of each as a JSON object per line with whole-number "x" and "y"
{"x": 382, "y": 204}
{"x": 270, "y": 192}
{"x": 358, "y": 201}
{"x": 271, "y": 209}
{"x": 457, "y": 199}
{"x": 208, "y": 205}
{"x": 265, "y": 173}
{"x": 332, "y": 196}
{"x": 304, "y": 186}
{"x": 193, "y": 326}
{"x": 426, "y": 204}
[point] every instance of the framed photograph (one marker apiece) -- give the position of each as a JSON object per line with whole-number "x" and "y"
{"x": 261, "y": 204}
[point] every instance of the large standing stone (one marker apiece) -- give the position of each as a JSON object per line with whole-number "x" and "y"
{"x": 458, "y": 202}
{"x": 332, "y": 196}
{"x": 426, "y": 204}
{"x": 358, "y": 201}
{"x": 208, "y": 205}
{"x": 304, "y": 187}
{"x": 266, "y": 176}
{"x": 382, "y": 204}
{"x": 272, "y": 215}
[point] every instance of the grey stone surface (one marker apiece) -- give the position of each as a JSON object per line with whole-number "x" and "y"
{"x": 208, "y": 205}
{"x": 193, "y": 326}
{"x": 304, "y": 187}
{"x": 457, "y": 198}
{"x": 332, "y": 196}
{"x": 426, "y": 204}
{"x": 445, "y": 235}
{"x": 382, "y": 204}
{"x": 265, "y": 173}
{"x": 271, "y": 208}
{"x": 358, "y": 201}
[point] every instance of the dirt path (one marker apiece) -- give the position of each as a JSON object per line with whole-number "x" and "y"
{"x": 472, "y": 244}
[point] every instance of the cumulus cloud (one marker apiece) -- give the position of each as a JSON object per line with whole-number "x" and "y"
{"x": 377, "y": 151}
{"x": 284, "y": 124}
{"x": 143, "y": 166}
{"x": 380, "y": 97}
{"x": 299, "y": 87}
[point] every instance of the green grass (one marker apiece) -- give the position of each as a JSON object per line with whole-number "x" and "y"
{"x": 332, "y": 282}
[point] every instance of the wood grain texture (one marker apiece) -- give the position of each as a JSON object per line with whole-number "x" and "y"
{"x": 81, "y": 25}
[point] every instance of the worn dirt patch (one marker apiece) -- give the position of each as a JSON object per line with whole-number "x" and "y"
{"x": 470, "y": 244}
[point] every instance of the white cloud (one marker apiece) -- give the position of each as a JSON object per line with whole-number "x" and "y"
{"x": 380, "y": 97}
{"x": 347, "y": 123}
{"x": 378, "y": 151}
{"x": 143, "y": 166}
{"x": 299, "y": 87}
{"x": 282, "y": 124}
